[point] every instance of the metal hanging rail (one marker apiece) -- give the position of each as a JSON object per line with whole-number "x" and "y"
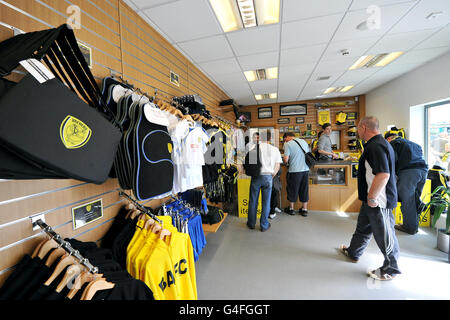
{"x": 140, "y": 206}
{"x": 65, "y": 245}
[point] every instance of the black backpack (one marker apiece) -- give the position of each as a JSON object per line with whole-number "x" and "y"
{"x": 213, "y": 216}
{"x": 252, "y": 169}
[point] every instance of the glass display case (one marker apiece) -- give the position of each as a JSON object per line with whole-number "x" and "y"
{"x": 328, "y": 175}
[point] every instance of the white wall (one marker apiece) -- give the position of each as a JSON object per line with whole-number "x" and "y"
{"x": 391, "y": 102}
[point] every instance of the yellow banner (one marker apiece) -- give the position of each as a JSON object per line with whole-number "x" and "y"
{"x": 323, "y": 116}
{"x": 244, "y": 198}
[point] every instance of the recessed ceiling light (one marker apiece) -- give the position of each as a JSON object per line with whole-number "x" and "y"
{"x": 377, "y": 60}
{"x": 337, "y": 89}
{"x": 261, "y": 74}
{"x": 265, "y": 96}
{"x": 237, "y": 14}
{"x": 329, "y": 90}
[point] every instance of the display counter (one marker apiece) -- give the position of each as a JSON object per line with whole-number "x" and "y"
{"x": 333, "y": 187}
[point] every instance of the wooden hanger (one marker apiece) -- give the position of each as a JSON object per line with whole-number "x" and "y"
{"x": 156, "y": 228}
{"x": 135, "y": 213}
{"x": 163, "y": 233}
{"x": 80, "y": 280}
{"x": 46, "y": 247}
{"x": 188, "y": 117}
{"x": 71, "y": 272}
{"x": 57, "y": 253}
{"x": 38, "y": 247}
{"x": 150, "y": 222}
{"x": 95, "y": 286}
{"x": 62, "y": 264}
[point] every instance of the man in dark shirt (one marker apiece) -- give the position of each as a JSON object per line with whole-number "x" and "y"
{"x": 411, "y": 170}
{"x": 378, "y": 192}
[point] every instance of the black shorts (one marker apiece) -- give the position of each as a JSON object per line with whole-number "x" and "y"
{"x": 298, "y": 186}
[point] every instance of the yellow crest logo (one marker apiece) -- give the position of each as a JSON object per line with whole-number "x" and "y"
{"x": 74, "y": 133}
{"x": 169, "y": 147}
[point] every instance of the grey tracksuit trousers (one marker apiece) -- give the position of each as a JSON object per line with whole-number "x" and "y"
{"x": 379, "y": 222}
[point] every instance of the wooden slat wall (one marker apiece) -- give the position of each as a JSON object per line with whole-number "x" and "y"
{"x": 123, "y": 43}
{"x": 310, "y": 117}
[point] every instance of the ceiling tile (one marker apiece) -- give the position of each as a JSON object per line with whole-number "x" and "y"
{"x": 364, "y": 4}
{"x": 416, "y": 18}
{"x": 439, "y": 39}
{"x": 196, "y": 16}
{"x": 264, "y": 86}
{"x": 286, "y": 97}
{"x": 218, "y": 48}
{"x": 333, "y": 66}
{"x": 304, "y": 9}
{"x": 309, "y": 32}
{"x": 304, "y": 55}
{"x": 255, "y": 40}
{"x": 266, "y": 101}
{"x": 259, "y": 61}
{"x": 353, "y": 77}
{"x": 236, "y": 79}
{"x": 219, "y": 67}
{"x": 400, "y": 41}
{"x": 420, "y": 56}
{"x": 389, "y": 16}
{"x": 144, "y": 4}
{"x": 355, "y": 49}
{"x": 299, "y": 71}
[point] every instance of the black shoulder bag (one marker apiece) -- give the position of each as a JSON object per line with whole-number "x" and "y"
{"x": 309, "y": 157}
{"x": 252, "y": 169}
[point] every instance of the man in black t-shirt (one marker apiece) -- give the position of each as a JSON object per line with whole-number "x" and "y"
{"x": 378, "y": 192}
{"x": 411, "y": 170}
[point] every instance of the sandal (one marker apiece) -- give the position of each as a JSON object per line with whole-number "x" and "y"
{"x": 379, "y": 274}
{"x": 344, "y": 250}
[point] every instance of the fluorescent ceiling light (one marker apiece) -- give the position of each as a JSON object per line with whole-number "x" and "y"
{"x": 388, "y": 59}
{"x": 228, "y": 14}
{"x": 272, "y": 73}
{"x": 250, "y": 75}
{"x": 266, "y": 96}
{"x": 337, "y": 89}
{"x": 248, "y": 14}
{"x": 377, "y": 60}
{"x": 237, "y": 14}
{"x": 267, "y": 11}
{"x": 346, "y": 88}
{"x": 261, "y": 74}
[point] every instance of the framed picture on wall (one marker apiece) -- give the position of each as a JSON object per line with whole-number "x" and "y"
{"x": 283, "y": 120}
{"x": 300, "y": 120}
{"x": 297, "y": 128}
{"x": 293, "y": 109}
{"x": 264, "y": 112}
{"x": 351, "y": 115}
{"x": 281, "y": 129}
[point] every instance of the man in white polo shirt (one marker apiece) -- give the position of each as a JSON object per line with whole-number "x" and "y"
{"x": 270, "y": 158}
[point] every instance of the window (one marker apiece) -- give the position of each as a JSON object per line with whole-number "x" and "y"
{"x": 437, "y": 134}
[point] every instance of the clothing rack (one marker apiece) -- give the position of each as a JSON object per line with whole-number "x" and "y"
{"x": 65, "y": 245}
{"x": 140, "y": 207}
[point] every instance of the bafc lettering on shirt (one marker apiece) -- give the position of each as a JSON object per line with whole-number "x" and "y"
{"x": 170, "y": 278}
